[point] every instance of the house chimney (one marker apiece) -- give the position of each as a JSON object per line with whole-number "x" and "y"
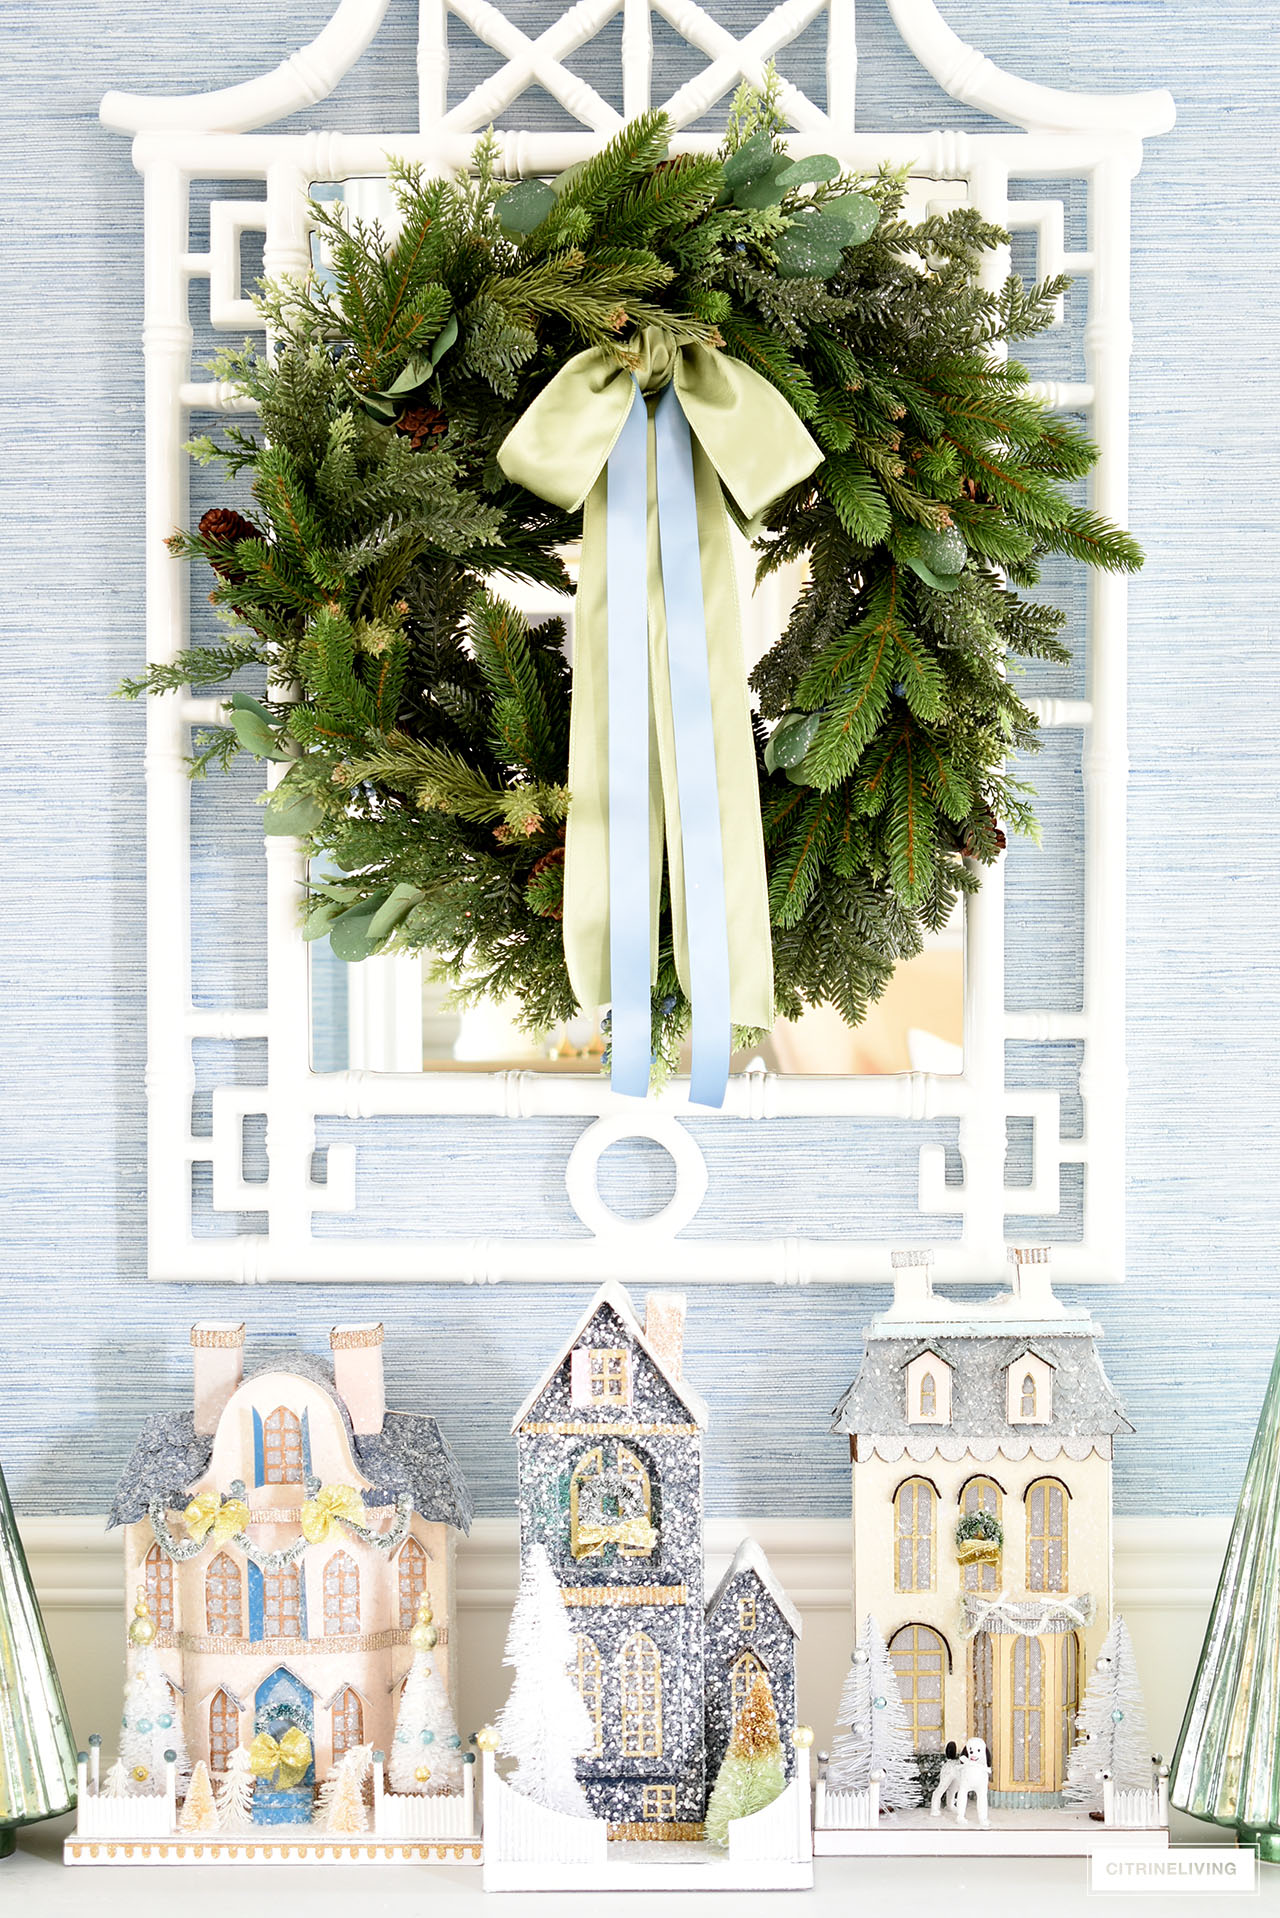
{"x": 912, "y": 1282}
{"x": 664, "y": 1328}
{"x": 357, "y": 1373}
{"x": 1032, "y": 1286}
{"x": 217, "y": 1367}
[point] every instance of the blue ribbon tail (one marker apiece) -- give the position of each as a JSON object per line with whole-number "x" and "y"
{"x": 631, "y": 1031}
{"x": 700, "y": 833}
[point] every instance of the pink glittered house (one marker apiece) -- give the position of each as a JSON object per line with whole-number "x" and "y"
{"x": 284, "y": 1530}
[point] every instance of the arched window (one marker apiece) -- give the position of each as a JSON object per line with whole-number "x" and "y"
{"x": 1027, "y": 1716}
{"x": 919, "y": 1656}
{"x": 158, "y": 1573}
{"x": 341, "y": 1595}
{"x": 743, "y": 1673}
{"x": 348, "y": 1722}
{"x": 928, "y": 1396}
{"x": 1027, "y": 1401}
{"x": 1047, "y": 1536}
{"x": 611, "y": 1505}
{"x": 282, "y": 1603}
{"x": 641, "y": 1684}
{"x": 984, "y": 1688}
{"x": 982, "y": 1495}
{"x": 915, "y": 1510}
{"x": 586, "y": 1676}
{"x": 223, "y": 1598}
{"x": 224, "y": 1729}
{"x": 413, "y": 1581}
{"x": 282, "y": 1449}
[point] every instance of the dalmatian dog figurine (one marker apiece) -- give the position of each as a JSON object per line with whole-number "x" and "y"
{"x": 964, "y": 1774}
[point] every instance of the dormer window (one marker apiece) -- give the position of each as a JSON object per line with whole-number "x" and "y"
{"x": 601, "y": 1375}
{"x": 928, "y": 1388}
{"x": 1029, "y": 1390}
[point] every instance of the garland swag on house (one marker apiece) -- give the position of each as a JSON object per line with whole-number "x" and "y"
{"x": 427, "y": 727}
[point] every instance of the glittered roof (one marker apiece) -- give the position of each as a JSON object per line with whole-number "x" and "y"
{"x": 749, "y": 1557}
{"x": 1084, "y": 1405}
{"x": 410, "y": 1454}
{"x": 617, "y": 1299}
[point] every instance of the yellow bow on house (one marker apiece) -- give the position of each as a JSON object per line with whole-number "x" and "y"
{"x": 209, "y": 1512}
{"x": 660, "y": 749}
{"x": 289, "y": 1756}
{"x": 330, "y": 1506}
{"x": 637, "y": 1533}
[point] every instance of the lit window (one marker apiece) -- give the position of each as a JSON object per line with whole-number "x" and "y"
{"x": 928, "y": 1397}
{"x": 348, "y": 1722}
{"x": 658, "y": 1803}
{"x": 1027, "y": 1403}
{"x": 412, "y": 1582}
{"x": 743, "y": 1673}
{"x": 587, "y": 1678}
{"x": 641, "y": 1698}
{"x": 341, "y": 1596}
{"x": 919, "y": 1657}
{"x": 224, "y": 1730}
{"x": 611, "y": 1505}
{"x": 282, "y": 1450}
{"x": 982, "y": 1495}
{"x": 915, "y": 1512}
{"x": 1047, "y": 1536}
{"x": 282, "y": 1603}
{"x": 158, "y": 1572}
{"x": 747, "y": 1614}
{"x": 223, "y": 1601}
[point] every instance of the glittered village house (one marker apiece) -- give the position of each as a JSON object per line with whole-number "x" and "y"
{"x": 999, "y": 1409}
{"x": 284, "y": 1529}
{"x": 610, "y": 1472}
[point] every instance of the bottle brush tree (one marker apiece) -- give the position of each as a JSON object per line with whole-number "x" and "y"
{"x": 753, "y": 1770}
{"x": 426, "y": 1751}
{"x": 200, "y": 1812}
{"x": 234, "y": 1791}
{"x": 544, "y": 1724}
{"x": 874, "y": 1732}
{"x": 1111, "y": 1727}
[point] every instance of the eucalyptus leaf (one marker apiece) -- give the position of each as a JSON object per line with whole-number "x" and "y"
{"x": 940, "y": 582}
{"x": 764, "y": 190}
{"x": 807, "y": 252}
{"x": 350, "y": 938}
{"x": 403, "y": 899}
{"x": 753, "y": 158}
{"x": 811, "y": 172}
{"x": 320, "y": 916}
{"x": 255, "y": 733}
{"x": 291, "y": 812}
{"x": 798, "y": 774}
{"x": 790, "y": 740}
{"x": 526, "y": 206}
{"x": 857, "y": 213}
{"x": 246, "y": 703}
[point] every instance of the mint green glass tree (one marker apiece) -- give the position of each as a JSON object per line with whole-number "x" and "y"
{"x": 37, "y": 1754}
{"x": 1227, "y": 1764}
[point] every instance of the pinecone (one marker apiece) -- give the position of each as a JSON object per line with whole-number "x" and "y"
{"x": 422, "y": 426}
{"x": 224, "y": 526}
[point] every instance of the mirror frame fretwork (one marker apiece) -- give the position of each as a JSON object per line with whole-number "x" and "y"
{"x": 1053, "y": 136}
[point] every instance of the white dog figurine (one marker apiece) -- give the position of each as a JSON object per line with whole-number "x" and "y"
{"x": 963, "y": 1775}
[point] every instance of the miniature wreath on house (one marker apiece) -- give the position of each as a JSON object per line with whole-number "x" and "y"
{"x": 979, "y": 1538}
{"x": 425, "y": 725}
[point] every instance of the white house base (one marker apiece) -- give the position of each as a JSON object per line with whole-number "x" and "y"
{"x": 631, "y": 1865}
{"x": 222, "y": 1849}
{"x": 1011, "y": 1834}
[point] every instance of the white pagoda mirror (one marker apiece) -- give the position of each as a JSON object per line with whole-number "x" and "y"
{"x": 304, "y": 1127}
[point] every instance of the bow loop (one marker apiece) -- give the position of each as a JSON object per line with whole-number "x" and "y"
{"x": 209, "y": 1512}
{"x": 285, "y": 1760}
{"x": 331, "y": 1506}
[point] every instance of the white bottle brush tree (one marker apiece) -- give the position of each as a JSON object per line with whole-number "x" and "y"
{"x": 426, "y": 1751}
{"x": 874, "y": 1731}
{"x": 152, "y": 1720}
{"x": 544, "y": 1724}
{"x": 1111, "y": 1727}
{"x": 233, "y": 1789}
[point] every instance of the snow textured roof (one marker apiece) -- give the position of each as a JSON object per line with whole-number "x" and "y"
{"x": 750, "y": 1557}
{"x": 1084, "y": 1400}
{"x": 618, "y": 1299}
{"x": 410, "y": 1454}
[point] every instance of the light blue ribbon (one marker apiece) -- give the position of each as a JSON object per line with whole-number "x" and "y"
{"x": 630, "y": 958}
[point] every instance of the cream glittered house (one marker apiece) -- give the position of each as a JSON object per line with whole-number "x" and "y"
{"x": 995, "y": 1421}
{"x": 284, "y": 1531}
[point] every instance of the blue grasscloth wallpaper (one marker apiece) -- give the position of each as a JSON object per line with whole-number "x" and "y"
{"x": 89, "y": 1346}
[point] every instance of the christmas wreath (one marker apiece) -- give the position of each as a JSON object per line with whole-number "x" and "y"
{"x": 426, "y": 724}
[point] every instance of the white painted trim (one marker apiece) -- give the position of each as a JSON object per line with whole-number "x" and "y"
{"x": 209, "y": 137}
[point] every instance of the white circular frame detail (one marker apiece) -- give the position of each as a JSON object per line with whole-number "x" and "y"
{"x": 583, "y": 1169}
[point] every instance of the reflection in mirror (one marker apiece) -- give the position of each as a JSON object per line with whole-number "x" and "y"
{"x": 389, "y": 1014}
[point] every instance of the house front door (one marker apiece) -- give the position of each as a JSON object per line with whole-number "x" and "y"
{"x": 1023, "y": 1703}
{"x": 283, "y": 1704}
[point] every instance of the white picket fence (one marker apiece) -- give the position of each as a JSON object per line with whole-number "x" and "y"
{"x": 417, "y": 1815}
{"x": 1133, "y": 1808}
{"x": 516, "y": 1830}
{"x": 846, "y": 1810}
{"x": 780, "y": 1831}
{"x": 140, "y": 1815}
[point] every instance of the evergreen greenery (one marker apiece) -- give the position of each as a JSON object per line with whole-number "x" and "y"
{"x": 426, "y": 724}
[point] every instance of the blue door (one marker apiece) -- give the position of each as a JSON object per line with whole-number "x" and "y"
{"x": 282, "y": 1703}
